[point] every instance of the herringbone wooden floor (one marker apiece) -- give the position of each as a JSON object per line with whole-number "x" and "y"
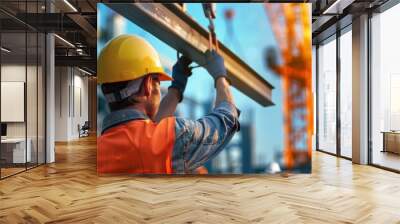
{"x": 69, "y": 191}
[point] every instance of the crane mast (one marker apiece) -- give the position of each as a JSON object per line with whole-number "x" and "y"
{"x": 291, "y": 24}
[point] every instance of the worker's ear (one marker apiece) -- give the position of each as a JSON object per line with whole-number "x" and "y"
{"x": 147, "y": 85}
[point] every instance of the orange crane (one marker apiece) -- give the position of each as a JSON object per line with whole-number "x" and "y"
{"x": 291, "y": 24}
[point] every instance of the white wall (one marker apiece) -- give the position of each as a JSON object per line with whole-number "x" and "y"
{"x": 71, "y": 94}
{"x": 33, "y": 127}
{"x": 61, "y": 103}
{"x": 16, "y": 73}
{"x": 79, "y": 111}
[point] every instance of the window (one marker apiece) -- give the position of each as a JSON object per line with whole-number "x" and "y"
{"x": 22, "y": 91}
{"x": 346, "y": 94}
{"x": 385, "y": 89}
{"x": 327, "y": 96}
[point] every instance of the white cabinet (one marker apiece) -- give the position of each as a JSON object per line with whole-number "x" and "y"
{"x": 17, "y": 146}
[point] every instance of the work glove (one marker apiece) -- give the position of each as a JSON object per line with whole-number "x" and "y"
{"x": 215, "y": 65}
{"x": 180, "y": 74}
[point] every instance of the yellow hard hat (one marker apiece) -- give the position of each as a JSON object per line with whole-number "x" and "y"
{"x": 128, "y": 57}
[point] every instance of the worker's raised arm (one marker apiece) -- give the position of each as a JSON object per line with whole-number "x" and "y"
{"x": 180, "y": 74}
{"x": 199, "y": 141}
{"x": 223, "y": 91}
{"x": 215, "y": 66}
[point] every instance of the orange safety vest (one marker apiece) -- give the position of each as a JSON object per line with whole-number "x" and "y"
{"x": 137, "y": 147}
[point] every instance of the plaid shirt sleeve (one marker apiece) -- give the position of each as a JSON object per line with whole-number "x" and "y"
{"x": 198, "y": 141}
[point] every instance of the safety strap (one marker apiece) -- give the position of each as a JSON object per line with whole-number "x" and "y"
{"x": 132, "y": 88}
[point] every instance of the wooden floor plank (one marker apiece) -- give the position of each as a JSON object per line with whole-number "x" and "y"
{"x": 69, "y": 191}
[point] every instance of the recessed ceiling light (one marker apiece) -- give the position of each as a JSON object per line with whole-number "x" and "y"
{"x": 84, "y": 71}
{"x": 70, "y": 5}
{"x": 337, "y": 7}
{"x": 5, "y": 50}
{"x": 64, "y": 40}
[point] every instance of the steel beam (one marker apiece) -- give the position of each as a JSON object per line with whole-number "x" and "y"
{"x": 86, "y": 26}
{"x": 320, "y": 22}
{"x": 177, "y": 29}
{"x": 337, "y": 6}
{"x": 44, "y": 22}
{"x": 81, "y": 61}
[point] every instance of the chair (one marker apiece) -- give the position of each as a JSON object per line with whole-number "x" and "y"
{"x": 84, "y": 130}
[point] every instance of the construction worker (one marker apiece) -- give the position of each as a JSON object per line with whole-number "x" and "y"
{"x": 141, "y": 134}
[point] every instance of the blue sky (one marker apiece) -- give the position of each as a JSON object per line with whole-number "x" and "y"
{"x": 254, "y": 35}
